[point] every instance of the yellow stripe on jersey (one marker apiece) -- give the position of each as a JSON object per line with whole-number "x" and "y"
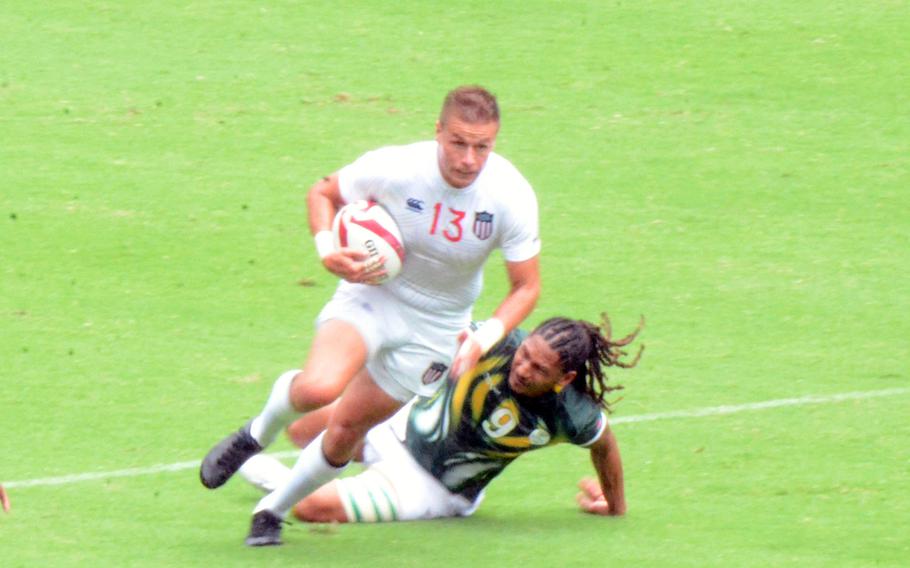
{"x": 466, "y": 380}
{"x": 514, "y": 441}
{"x": 480, "y": 394}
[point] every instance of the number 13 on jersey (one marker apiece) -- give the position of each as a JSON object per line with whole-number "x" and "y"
{"x": 452, "y": 230}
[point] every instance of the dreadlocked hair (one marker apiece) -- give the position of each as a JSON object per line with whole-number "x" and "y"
{"x": 587, "y": 348}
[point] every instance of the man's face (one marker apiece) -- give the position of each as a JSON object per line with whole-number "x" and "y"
{"x": 536, "y": 369}
{"x": 463, "y": 149}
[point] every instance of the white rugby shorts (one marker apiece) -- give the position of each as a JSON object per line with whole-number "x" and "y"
{"x": 410, "y": 350}
{"x": 396, "y": 487}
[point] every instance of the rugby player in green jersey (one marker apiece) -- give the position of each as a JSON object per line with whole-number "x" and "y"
{"x": 434, "y": 459}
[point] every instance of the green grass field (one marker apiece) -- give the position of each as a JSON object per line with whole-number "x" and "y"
{"x": 736, "y": 171}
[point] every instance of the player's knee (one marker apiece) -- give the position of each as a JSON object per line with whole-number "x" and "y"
{"x": 309, "y": 393}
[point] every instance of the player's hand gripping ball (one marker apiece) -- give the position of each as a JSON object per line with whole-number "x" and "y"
{"x": 367, "y": 227}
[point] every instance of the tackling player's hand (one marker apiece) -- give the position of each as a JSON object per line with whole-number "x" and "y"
{"x": 469, "y": 353}
{"x": 591, "y": 498}
{"x": 355, "y": 266}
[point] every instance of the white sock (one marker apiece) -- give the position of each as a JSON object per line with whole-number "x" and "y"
{"x": 264, "y": 472}
{"x": 309, "y": 474}
{"x": 278, "y": 412}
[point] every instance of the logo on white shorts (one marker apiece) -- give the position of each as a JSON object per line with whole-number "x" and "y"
{"x": 434, "y": 372}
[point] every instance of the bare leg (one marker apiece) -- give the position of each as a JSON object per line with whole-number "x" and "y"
{"x": 337, "y": 354}
{"x": 305, "y": 429}
{"x": 267, "y": 473}
{"x": 363, "y": 405}
{"x": 322, "y": 506}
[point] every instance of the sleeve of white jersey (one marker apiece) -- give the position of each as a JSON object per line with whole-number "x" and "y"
{"x": 365, "y": 177}
{"x": 521, "y": 238}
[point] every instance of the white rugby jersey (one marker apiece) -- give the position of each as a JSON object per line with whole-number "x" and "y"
{"x": 448, "y": 232}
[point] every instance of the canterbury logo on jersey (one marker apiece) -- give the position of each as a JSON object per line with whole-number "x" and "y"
{"x": 415, "y": 204}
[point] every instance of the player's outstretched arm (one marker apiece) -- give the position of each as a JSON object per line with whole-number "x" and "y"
{"x": 591, "y": 498}
{"x": 609, "y": 497}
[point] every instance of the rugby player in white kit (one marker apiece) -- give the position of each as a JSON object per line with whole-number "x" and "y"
{"x": 455, "y": 201}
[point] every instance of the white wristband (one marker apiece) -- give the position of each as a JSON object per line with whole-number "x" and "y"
{"x": 325, "y": 243}
{"x": 489, "y": 334}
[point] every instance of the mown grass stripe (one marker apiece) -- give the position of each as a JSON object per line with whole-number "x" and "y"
{"x": 693, "y": 413}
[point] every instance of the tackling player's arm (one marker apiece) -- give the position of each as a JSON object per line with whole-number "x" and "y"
{"x": 524, "y": 289}
{"x": 323, "y": 201}
{"x": 608, "y": 496}
{"x": 4, "y": 499}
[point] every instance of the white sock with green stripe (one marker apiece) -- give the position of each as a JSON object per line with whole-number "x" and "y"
{"x": 309, "y": 474}
{"x": 368, "y": 497}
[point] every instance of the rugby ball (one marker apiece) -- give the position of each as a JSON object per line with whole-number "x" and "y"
{"x": 366, "y": 226}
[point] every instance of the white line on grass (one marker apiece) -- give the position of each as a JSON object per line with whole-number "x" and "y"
{"x": 734, "y": 408}
{"x": 694, "y": 413}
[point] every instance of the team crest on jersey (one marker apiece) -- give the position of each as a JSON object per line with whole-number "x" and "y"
{"x": 539, "y": 437}
{"x": 483, "y": 224}
{"x": 433, "y": 373}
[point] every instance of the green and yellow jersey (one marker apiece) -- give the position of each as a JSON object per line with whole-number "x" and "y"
{"x": 470, "y": 430}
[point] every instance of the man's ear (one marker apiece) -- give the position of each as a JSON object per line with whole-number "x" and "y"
{"x": 564, "y": 381}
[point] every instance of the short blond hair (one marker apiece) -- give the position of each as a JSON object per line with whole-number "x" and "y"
{"x": 470, "y": 103}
